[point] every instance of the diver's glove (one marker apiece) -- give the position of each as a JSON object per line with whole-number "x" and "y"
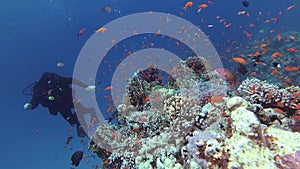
{"x": 90, "y": 88}
{"x": 27, "y": 106}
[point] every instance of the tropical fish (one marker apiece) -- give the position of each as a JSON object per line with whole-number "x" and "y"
{"x": 60, "y": 64}
{"x": 36, "y": 132}
{"x": 242, "y": 69}
{"x": 210, "y": 2}
{"x": 251, "y": 25}
{"x": 290, "y": 7}
{"x": 202, "y": 6}
{"x": 76, "y": 158}
{"x": 260, "y": 63}
{"x": 101, "y": 30}
{"x": 248, "y": 34}
{"x": 275, "y": 20}
{"x": 239, "y": 60}
{"x": 292, "y": 50}
{"x": 290, "y": 68}
{"x": 108, "y": 88}
{"x": 265, "y": 50}
{"x": 210, "y": 26}
{"x": 279, "y": 111}
{"x": 146, "y": 99}
{"x": 276, "y": 64}
{"x": 276, "y": 54}
{"x": 81, "y": 31}
{"x": 245, "y": 3}
{"x": 187, "y": 5}
{"x": 69, "y": 139}
{"x": 106, "y": 9}
{"x": 279, "y": 37}
{"x": 298, "y": 107}
{"x": 241, "y": 12}
{"x": 274, "y": 72}
{"x": 228, "y": 25}
{"x": 227, "y": 75}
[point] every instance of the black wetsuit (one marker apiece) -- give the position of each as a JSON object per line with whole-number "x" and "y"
{"x": 54, "y": 92}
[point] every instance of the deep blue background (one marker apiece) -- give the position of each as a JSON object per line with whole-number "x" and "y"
{"x": 35, "y": 34}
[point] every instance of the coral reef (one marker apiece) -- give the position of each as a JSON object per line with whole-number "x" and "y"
{"x": 286, "y": 101}
{"x": 250, "y": 144}
{"x": 196, "y": 124}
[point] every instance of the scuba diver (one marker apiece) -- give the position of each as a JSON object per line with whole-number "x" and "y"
{"x": 54, "y": 92}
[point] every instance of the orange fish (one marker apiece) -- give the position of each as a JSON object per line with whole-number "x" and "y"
{"x": 293, "y": 37}
{"x": 101, "y": 30}
{"x": 276, "y": 54}
{"x": 210, "y": 2}
{"x": 256, "y": 54}
{"x": 260, "y": 63}
{"x": 187, "y": 5}
{"x": 275, "y": 20}
{"x": 251, "y": 25}
{"x": 81, "y": 32}
{"x": 146, "y": 99}
{"x": 108, "y": 88}
{"x": 265, "y": 50}
{"x": 279, "y": 111}
{"x": 227, "y": 75}
{"x": 298, "y": 106}
{"x": 202, "y": 6}
{"x": 228, "y": 25}
{"x": 274, "y": 72}
{"x": 241, "y": 12}
{"x": 239, "y": 60}
{"x": 291, "y": 69}
{"x": 290, "y": 7}
{"x": 247, "y": 34}
{"x": 279, "y": 37}
{"x": 292, "y": 50}
{"x": 296, "y": 117}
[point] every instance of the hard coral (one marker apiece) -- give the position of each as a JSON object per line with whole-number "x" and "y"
{"x": 269, "y": 95}
{"x": 137, "y": 90}
{"x": 197, "y": 64}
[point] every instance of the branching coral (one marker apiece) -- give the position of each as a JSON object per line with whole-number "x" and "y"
{"x": 269, "y": 95}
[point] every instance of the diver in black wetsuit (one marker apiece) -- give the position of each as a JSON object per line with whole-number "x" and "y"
{"x": 54, "y": 92}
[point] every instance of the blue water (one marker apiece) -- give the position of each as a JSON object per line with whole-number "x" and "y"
{"x": 35, "y": 34}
